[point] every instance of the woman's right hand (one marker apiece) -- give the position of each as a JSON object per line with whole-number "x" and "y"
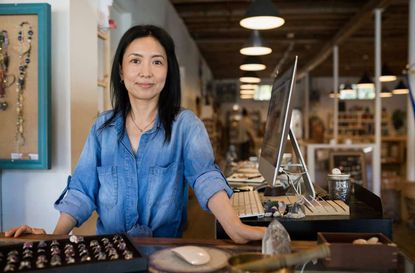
{"x": 17, "y": 231}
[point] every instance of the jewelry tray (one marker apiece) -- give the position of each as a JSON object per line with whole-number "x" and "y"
{"x": 103, "y": 253}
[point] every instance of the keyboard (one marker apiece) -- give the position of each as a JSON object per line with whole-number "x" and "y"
{"x": 320, "y": 207}
{"x": 247, "y": 204}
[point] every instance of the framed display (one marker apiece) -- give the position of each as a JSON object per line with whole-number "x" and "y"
{"x": 350, "y": 162}
{"x": 25, "y": 79}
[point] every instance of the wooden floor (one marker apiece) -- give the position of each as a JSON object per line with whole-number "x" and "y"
{"x": 201, "y": 226}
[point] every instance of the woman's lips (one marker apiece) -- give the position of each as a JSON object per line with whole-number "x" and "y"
{"x": 145, "y": 85}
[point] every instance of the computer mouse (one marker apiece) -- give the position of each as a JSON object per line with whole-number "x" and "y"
{"x": 194, "y": 255}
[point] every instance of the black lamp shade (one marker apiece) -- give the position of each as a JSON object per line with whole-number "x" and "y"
{"x": 387, "y": 75}
{"x": 400, "y": 89}
{"x": 255, "y": 46}
{"x": 252, "y": 63}
{"x": 262, "y": 14}
{"x": 250, "y": 77}
{"x": 385, "y": 93}
{"x": 365, "y": 81}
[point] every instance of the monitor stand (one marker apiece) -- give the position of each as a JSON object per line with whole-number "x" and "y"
{"x": 309, "y": 191}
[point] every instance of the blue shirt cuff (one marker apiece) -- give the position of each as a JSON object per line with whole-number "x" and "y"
{"x": 208, "y": 185}
{"x": 76, "y": 204}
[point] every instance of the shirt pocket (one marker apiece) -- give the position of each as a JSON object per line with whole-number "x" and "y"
{"x": 108, "y": 186}
{"x": 163, "y": 184}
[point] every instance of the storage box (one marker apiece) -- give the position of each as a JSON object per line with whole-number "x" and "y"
{"x": 346, "y": 255}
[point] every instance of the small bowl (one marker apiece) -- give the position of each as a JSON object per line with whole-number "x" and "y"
{"x": 250, "y": 257}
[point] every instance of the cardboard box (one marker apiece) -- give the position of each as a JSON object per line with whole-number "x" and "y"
{"x": 346, "y": 255}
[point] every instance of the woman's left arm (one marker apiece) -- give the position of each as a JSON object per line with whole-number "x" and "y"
{"x": 219, "y": 204}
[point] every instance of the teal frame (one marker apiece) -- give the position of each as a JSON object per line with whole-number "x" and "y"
{"x": 43, "y": 12}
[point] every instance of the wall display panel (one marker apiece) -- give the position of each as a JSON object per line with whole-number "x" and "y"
{"x": 25, "y": 78}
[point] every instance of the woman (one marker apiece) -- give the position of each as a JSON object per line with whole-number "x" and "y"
{"x": 140, "y": 157}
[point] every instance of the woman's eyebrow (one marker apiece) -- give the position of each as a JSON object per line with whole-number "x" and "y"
{"x": 140, "y": 55}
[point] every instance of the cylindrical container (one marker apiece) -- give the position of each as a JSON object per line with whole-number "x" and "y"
{"x": 339, "y": 186}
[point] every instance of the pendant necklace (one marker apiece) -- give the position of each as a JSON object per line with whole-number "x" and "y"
{"x": 24, "y": 49}
{"x": 5, "y": 79}
{"x": 141, "y": 130}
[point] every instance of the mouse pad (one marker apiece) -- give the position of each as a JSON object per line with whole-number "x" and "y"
{"x": 167, "y": 261}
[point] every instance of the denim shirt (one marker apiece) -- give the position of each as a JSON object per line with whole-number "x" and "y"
{"x": 143, "y": 194}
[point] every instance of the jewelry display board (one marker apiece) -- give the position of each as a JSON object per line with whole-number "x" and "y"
{"x": 25, "y": 80}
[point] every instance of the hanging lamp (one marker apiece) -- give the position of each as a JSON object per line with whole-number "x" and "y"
{"x": 252, "y": 63}
{"x": 365, "y": 81}
{"x": 248, "y": 86}
{"x": 262, "y": 14}
{"x": 250, "y": 77}
{"x": 385, "y": 93}
{"x": 400, "y": 89}
{"x": 387, "y": 75}
{"x": 255, "y": 46}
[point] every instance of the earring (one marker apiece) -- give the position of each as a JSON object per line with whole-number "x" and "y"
{"x": 122, "y": 81}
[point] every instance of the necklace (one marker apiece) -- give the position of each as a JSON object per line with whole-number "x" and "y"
{"x": 4, "y": 65}
{"x": 24, "y": 60}
{"x": 141, "y": 130}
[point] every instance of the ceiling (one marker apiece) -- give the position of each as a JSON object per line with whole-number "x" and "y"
{"x": 311, "y": 29}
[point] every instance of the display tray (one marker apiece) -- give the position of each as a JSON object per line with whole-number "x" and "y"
{"x": 103, "y": 253}
{"x": 345, "y": 254}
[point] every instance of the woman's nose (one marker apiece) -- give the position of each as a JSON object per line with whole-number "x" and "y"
{"x": 145, "y": 70}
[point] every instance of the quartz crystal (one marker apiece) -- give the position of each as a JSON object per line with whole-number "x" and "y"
{"x": 276, "y": 239}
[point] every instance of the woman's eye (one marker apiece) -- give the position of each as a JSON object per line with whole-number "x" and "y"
{"x": 158, "y": 62}
{"x": 135, "y": 61}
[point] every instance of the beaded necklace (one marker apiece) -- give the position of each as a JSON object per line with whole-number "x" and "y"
{"x": 4, "y": 65}
{"x": 24, "y": 60}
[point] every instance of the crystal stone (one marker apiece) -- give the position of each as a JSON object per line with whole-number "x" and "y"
{"x": 276, "y": 239}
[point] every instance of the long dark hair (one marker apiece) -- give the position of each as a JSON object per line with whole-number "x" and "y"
{"x": 170, "y": 96}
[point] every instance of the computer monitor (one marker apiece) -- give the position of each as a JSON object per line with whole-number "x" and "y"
{"x": 277, "y": 130}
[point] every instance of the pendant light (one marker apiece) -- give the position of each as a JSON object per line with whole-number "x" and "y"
{"x": 400, "y": 89}
{"x": 385, "y": 93}
{"x": 262, "y": 14}
{"x": 387, "y": 75}
{"x": 365, "y": 82}
{"x": 247, "y": 92}
{"x": 252, "y": 63}
{"x": 255, "y": 46}
{"x": 248, "y": 86}
{"x": 347, "y": 90}
{"x": 250, "y": 77}
{"x": 332, "y": 95}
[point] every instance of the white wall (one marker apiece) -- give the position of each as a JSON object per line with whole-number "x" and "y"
{"x": 28, "y": 195}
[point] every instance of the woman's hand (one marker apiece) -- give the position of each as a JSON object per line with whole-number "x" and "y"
{"x": 17, "y": 231}
{"x": 240, "y": 233}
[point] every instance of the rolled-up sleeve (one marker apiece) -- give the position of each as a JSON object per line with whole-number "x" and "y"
{"x": 76, "y": 204}
{"x": 207, "y": 185}
{"x": 201, "y": 172}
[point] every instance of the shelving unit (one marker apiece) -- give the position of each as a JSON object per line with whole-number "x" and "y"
{"x": 358, "y": 127}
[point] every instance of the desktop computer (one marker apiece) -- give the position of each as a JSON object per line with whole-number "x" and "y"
{"x": 277, "y": 132}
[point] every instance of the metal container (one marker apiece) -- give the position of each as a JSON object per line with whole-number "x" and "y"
{"x": 339, "y": 186}
{"x": 250, "y": 257}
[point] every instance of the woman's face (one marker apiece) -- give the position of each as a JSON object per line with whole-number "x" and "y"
{"x": 144, "y": 69}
